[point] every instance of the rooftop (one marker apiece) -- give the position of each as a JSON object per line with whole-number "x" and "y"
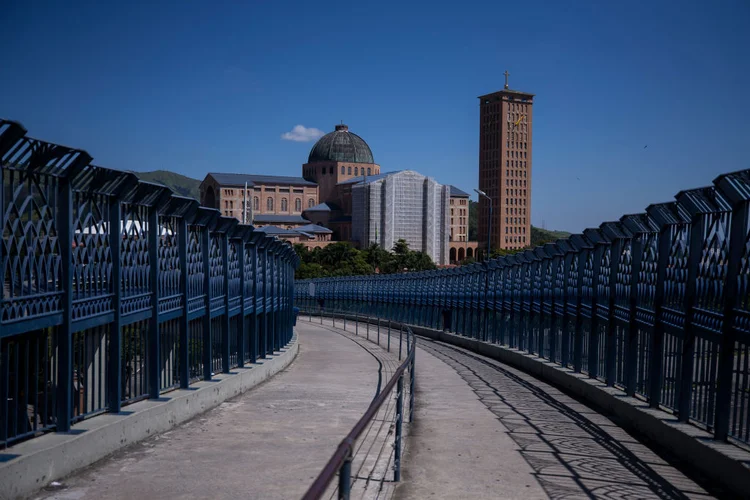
{"x": 323, "y": 207}
{"x": 507, "y": 91}
{"x": 281, "y": 219}
{"x": 252, "y": 179}
{"x": 275, "y": 230}
{"x": 455, "y": 192}
{"x": 341, "y": 145}
{"x": 313, "y": 228}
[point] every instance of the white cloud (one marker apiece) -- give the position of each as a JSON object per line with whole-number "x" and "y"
{"x": 300, "y": 133}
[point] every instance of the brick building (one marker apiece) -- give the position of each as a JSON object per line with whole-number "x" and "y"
{"x": 505, "y": 138}
{"x": 270, "y": 198}
{"x": 316, "y": 209}
{"x": 459, "y": 215}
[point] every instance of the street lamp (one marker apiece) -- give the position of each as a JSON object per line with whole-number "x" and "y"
{"x": 489, "y": 223}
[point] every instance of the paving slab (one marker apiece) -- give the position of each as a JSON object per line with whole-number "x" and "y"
{"x": 268, "y": 443}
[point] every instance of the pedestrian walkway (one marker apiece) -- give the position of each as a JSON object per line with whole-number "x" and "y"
{"x": 269, "y": 443}
{"x": 485, "y": 430}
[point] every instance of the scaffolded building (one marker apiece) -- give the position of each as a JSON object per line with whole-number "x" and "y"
{"x": 402, "y": 205}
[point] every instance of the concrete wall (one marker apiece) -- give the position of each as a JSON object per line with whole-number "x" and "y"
{"x": 33, "y": 464}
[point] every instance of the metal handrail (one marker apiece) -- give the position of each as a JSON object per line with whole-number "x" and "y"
{"x": 341, "y": 460}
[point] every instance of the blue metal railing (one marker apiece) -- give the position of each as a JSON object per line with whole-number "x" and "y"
{"x": 115, "y": 289}
{"x": 656, "y": 304}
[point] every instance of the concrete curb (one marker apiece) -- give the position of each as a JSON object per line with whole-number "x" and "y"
{"x": 33, "y": 464}
{"x": 723, "y": 463}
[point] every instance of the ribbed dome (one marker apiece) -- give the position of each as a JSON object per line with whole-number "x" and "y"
{"x": 341, "y": 145}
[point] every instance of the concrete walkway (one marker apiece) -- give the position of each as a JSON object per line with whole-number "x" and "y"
{"x": 485, "y": 430}
{"x": 269, "y": 443}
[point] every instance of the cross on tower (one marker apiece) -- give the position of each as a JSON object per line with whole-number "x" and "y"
{"x": 506, "y": 78}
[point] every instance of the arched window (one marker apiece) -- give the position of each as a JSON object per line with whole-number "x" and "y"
{"x": 349, "y": 170}
{"x": 369, "y": 170}
{"x": 298, "y": 205}
{"x": 284, "y": 205}
{"x": 269, "y": 204}
{"x": 343, "y": 170}
{"x": 356, "y": 171}
{"x": 256, "y": 203}
{"x": 311, "y": 203}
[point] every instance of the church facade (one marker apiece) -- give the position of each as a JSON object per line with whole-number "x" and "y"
{"x": 316, "y": 208}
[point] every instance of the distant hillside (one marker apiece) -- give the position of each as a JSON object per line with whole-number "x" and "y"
{"x": 539, "y": 236}
{"x": 180, "y": 184}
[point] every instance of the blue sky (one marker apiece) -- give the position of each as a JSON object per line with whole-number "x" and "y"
{"x": 213, "y": 86}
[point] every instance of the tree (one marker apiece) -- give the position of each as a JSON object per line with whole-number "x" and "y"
{"x": 341, "y": 259}
{"x": 309, "y": 270}
{"x": 376, "y": 256}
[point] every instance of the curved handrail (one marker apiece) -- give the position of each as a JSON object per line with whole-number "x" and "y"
{"x": 341, "y": 458}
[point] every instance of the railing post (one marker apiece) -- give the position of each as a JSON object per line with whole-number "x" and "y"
{"x": 565, "y": 299}
{"x": 152, "y": 356}
{"x": 114, "y": 381}
{"x": 345, "y": 477}
{"x": 264, "y": 300}
{"x": 225, "y": 327}
{"x": 578, "y": 333}
{"x": 207, "y": 354}
{"x": 737, "y": 236}
{"x": 631, "y": 346}
{"x": 276, "y": 302}
{"x": 184, "y": 362}
{"x": 411, "y": 384}
{"x": 254, "y": 320}
{"x": 657, "y": 337}
{"x": 399, "y": 422}
{"x": 594, "y": 324}
{"x": 241, "y": 334}
{"x": 65, "y": 331}
{"x": 684, "y": 387}
{"x": 610, "y": 366}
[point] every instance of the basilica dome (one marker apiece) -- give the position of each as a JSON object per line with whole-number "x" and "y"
{"x": 341, "y": 145}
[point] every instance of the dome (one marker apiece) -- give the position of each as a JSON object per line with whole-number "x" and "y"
{"x": 341, "y": 145}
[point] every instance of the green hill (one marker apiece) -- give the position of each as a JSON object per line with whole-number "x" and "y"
{"x": 541, "y": 236}
{"x": 180, "y": 184}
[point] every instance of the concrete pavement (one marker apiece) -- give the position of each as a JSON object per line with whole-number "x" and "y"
{"x": 268, "y": 443}
{"x": 485, "y": 430}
